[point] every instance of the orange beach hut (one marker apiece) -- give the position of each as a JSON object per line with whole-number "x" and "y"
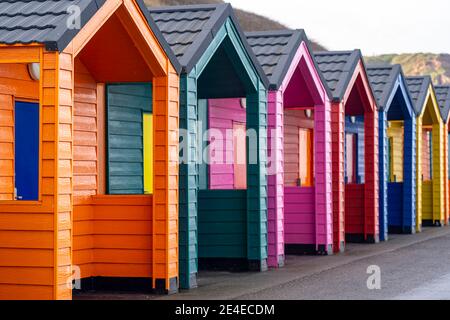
{"x": 88, "y": 148}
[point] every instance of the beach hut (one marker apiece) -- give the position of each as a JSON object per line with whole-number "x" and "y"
{"x": 299, "y": 138}
{"x": 430, "y": 153}
{"x": 397, "y": 145}
{"x": 354, "y": 123}
{"x": 443, "y": 98}
{"x": 88, "y": 148}
{"x": 223, "y": 181}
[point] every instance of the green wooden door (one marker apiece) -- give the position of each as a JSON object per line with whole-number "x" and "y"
{"x": 126, "y": 104}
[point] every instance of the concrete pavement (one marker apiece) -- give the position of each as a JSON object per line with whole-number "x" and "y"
{"x": 411, "y": 266}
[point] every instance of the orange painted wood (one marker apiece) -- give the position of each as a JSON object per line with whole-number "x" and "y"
{"x": 101, "y": 139}
{"x": 69, "y": 164}
{"x": 6, "y": 147}
{"x": 85, "y": 162}
{"x": 108, "y": 230}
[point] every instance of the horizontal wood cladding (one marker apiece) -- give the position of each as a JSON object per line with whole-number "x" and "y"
{"x": 395, "y": 204}
{"x": 113, "y": 236}
{"x": 85, "y": 133}
{"x": 125, "y": 107}
{"x": 354, "y": 209}
{"x": 222, "y": 223}
{"x": 300, "y": 215}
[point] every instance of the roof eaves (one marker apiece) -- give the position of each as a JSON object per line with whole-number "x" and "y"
{"x": 204, "y": 39}
{"x": 63, "y": 35}
{"x": 158, "y": 34}
{"x": 426, "y": 82}
{"x": 251, "y": 54}
{"x": 286, "y": 60}
{"x": 390, "y": 85}
{"x": 408, "y": 94}
{"x": 347, "y": 74}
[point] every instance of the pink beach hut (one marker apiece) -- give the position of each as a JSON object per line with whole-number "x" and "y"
{"x": 299, "y": 142}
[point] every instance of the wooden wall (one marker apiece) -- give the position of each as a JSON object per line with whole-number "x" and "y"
{"x": 15, "y": 84}
{"x": 222, "y": 114}
{"x": 396, "y": 133}
{"x": 293, "y": 121}
{"x": 300, "y": 215}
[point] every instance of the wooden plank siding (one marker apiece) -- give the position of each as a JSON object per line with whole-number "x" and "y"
{"x": 293, "y": 121}
{"x": 6, "y": 146}
{"x": 338, "y": 151}
{"x": 72, "y": 224}
{"x": 256, "y": 193}
{"x": 35, "y": 237}
{"x": 222, "y": 114}
{"x": 276, "y": 213}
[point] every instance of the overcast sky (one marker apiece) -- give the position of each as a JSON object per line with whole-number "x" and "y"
{"x": 375, "y": 26}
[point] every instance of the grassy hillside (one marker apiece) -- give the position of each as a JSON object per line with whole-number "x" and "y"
{"x": 248, "y": 20}
{"x": 435, "y": 65}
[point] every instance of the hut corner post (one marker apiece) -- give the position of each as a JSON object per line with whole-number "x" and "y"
{"x": 257, "y": 182}
{"x": 188, "y": 183}
{"x": 165, "y": 197}
{"x": 371, "y": 193}
{"x": 323, "y": 179}
{"x": 446, "y": 177}
{"x": 438, "y": 173}
{"x": 338, "y": 187}
{"x": 419, "y": 174}
{"x": 275, "y": 180}
{"x": 383, "y": 124}
{"x": 409, "y": 179}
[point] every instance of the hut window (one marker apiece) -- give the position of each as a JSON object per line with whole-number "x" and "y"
{"x": 26, "y": 151}
{"x": 305, "y": 156}
{"x": 351, "y": 158}
{"x": 129, "y": 139}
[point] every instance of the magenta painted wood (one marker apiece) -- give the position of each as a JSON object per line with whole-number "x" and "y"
{"x": 305, "y": 213}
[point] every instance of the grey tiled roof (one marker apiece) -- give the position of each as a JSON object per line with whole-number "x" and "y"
{"x": 443, "y": 97}
{"x": 42, "y": 21}
{"x": 45, "y": 22}
{"x": 418, "y": 89}
{"x": 275, "y": 51}
{"x": 190, "y": 29}
{"x": 383, "y": 78}
{"x": 337, "y": 69}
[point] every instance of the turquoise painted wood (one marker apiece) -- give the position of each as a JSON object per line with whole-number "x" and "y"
{"x": 222, "y": 224}
{"x": 208, "y": 80}
{"x": 125, "y": 106}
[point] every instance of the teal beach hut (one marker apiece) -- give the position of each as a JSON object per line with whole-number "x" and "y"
{"x": 223, "y": 208}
